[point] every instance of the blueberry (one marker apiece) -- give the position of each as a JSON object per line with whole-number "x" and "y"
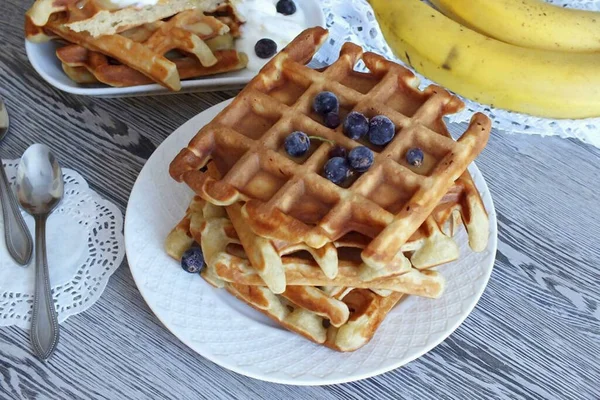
{"x": 265, "y": 48}
{"x": 332, "y": 120}
{"x": 296, "y": 144}
{"x": 336, "y": 170}
{"x": 325, "y": 103}
{"x": 360, "y": 158}
{"x": 286, "y": 7}
{"x": 192, "y": 260}
{"x": 415, "y": 157}
{"x": 381, "y": 130}
{"x": 356, "y": 125}
{"x": 337, "y": 151}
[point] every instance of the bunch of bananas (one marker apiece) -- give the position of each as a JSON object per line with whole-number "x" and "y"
{"x": 521, "y": 55}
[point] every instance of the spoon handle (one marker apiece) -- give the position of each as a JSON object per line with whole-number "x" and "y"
{"x": 44, "y": 324}
{"x": 17, "y": 236}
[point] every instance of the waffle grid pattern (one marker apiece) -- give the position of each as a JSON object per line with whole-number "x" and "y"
{"x": 290, "y": 200}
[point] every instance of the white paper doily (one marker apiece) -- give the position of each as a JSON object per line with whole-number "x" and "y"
{"x": 228, "y": 332}
{"x": 84, "y": 245}
{"x": 354, "y": 21}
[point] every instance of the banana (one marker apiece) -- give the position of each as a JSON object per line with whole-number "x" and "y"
{"x": 528, "y": 23}
{"x": 532, "y": 81}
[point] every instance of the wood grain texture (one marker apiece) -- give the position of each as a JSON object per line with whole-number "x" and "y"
{"x": 535, "y": 334}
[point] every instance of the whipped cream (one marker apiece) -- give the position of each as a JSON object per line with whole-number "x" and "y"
{"x": 263, "y": 21}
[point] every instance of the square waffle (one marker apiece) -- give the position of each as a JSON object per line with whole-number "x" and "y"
{"x": 341, "y": 312}
{"x": 339, "y": 317}
{"x": 276, "y": 264}
{"x": 234, "y": 255}
{"x": 288, "y": 199}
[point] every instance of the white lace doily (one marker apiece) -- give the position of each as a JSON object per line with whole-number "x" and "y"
{"x": 355, "y": 22}
{"x": 85, "y": 246}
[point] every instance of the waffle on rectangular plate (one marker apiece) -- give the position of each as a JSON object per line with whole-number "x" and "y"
{"x": 326, "y": 260}
{"x": 162, "y": 44}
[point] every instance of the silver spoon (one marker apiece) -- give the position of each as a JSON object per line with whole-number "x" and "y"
{"x": 40, "y": 189}
{"x": 17, "y": 236}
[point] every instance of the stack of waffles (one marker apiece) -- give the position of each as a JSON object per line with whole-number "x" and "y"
{"x": 329, "y": 261}
{"x": 162, "y": 44}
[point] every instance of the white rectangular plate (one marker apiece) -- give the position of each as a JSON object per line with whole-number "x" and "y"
{"x": 43, "y": 59}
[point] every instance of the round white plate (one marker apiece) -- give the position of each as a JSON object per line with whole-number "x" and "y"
{"x": 219, "y": 327}
{"x": 42, "y": 57}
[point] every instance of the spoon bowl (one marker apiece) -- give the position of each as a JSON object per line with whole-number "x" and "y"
{"x": 40, "y": 188}
{"x": 39, "y": 180}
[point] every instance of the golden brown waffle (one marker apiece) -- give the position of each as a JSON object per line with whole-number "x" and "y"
{"x": 366, "y": 311}
{"x": 288, "y": 199}
{"x": 41, "y": 10}
{"x": 143, "y": 54}
{"x": 79, "y": 74}
{"x": 100, "y": 17}
{"x": 271, "y": 262}
{"x": 427, "y": 247}
{"x": 132, "y": 54}
{"x": 98, "y": 67}
{"x": 341, "y": 318}
{"x": 227, "y": 14}
{"x": 228, "y": 262}
{"x": 463, "y": 204}
{"x": 337, "y": 264}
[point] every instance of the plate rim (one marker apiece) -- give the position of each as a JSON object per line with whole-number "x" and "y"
{"x": 225, "y": 363}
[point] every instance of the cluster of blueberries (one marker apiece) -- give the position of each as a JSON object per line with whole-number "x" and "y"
{"x": 266, "y": 48}
{"x": 379, "y": 130}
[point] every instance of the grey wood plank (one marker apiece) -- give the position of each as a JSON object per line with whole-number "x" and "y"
{"x": 534, "y": 334}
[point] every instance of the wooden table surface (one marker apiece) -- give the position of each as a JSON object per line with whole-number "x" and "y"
{"x": 535, "y": 333}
